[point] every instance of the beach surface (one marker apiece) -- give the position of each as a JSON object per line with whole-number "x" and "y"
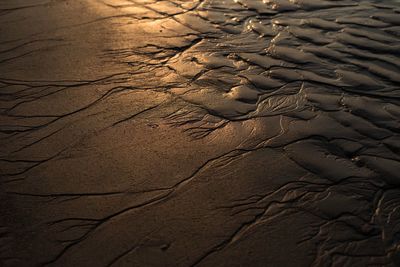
{"x": 200, "y": 133}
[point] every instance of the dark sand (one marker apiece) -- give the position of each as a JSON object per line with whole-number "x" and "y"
{"x": 199, "y": 133}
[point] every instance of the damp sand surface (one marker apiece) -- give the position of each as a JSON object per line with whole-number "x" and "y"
{"x": 200, "y": 133}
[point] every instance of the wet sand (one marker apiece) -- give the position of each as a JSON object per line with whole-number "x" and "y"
{"x": 199, "y": 133}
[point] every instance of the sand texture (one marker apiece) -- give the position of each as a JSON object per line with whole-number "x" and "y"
{"x": 200, "y": 133}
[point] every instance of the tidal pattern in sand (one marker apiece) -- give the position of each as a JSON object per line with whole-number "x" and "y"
{"x": 199, "y": 133}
